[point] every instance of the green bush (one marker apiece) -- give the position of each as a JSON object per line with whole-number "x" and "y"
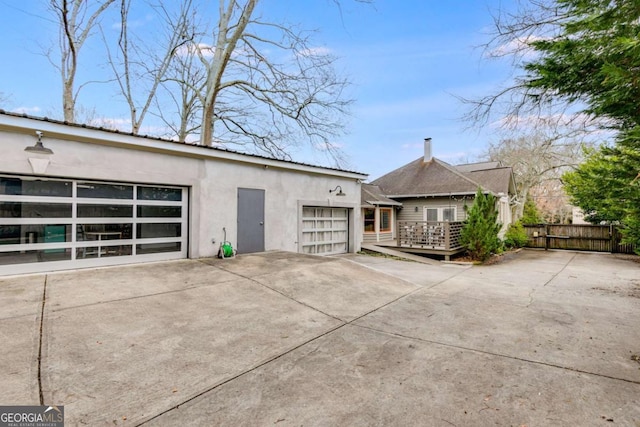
{"x": 479, "y": 235}
{"x": 516, "y": 236}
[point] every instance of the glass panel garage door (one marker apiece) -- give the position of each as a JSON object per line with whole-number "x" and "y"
{"x": 49, "y": 224}
{"x": 325, "y": 231}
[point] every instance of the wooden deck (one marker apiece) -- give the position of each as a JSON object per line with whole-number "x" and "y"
{"x": 427, "y": 237}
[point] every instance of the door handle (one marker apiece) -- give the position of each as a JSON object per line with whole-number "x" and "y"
{"x": 261, "y": 222}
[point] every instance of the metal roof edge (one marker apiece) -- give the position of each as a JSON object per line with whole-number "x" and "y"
{"x": 88, "y": 134}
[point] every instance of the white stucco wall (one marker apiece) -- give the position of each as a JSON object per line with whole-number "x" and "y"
{"x": 213, "y": 177}
{"x": 285, "y": 193}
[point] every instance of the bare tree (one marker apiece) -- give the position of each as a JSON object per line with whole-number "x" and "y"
{"x": 535, "y": 158}
{"x": 183, "y": 87}
{"x": 513, "y": 36}
{"x": 552, "y": 201}
{"x": 256, "y": 83}
{"x": 136, "y": 65}
{"x": 268, "y": 92}
{"x": 77, "y": 19}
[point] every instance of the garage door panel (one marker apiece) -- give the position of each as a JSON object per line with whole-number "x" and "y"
{"x": 49, "y": 224}
{"x": 325, "y": 231}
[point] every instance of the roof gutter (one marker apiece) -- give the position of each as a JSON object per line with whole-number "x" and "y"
{"x": 376, "y": 202}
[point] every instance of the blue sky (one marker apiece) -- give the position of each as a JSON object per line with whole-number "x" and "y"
{"x": 407, "y": 59}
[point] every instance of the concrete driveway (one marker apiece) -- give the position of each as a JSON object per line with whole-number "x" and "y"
{"x": 541, "y": 339}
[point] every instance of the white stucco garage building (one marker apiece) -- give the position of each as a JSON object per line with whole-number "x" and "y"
{"x": 106, "y": 198}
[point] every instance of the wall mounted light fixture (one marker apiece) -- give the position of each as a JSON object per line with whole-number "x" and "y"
{"x": 38, "y": 147}
{"x": 340, "y": 193}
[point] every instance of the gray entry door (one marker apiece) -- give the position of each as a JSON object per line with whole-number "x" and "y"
{"x": 250, "y": 220}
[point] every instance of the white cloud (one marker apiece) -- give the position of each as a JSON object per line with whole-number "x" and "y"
{"x": 111, "y": 123}
{"x": 560, "y": 125}
{"x": 314, "y": 51}
{"x": 532, "y": 121}
{"x": 133, "y": 23}
{"x": 192, "y": 49}
{"x": 329, "y": 146}
{"x": 160, "y": 131}
{"x": 27, "y": 110}
{"x": 519, "y": 46}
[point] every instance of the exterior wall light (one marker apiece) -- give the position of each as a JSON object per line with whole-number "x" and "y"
{"x": 340, "y": 193}
{"x": 38, "y": 147}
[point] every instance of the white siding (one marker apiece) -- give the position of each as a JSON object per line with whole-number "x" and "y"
{"x": 381, "y": 237}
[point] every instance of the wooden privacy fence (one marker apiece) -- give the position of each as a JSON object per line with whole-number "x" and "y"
{"x": 597, "y": 238}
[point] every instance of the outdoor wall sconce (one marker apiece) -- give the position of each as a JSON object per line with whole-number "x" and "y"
{"x": 340, "y": 193}
{"x": 39, "y": 148}
{"x": 415, "y": 209}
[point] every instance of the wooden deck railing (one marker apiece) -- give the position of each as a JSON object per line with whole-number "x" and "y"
{"x": 429, "y": 234}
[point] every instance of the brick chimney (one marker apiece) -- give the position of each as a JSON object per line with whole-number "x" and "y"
{"x": 427, "y": 150}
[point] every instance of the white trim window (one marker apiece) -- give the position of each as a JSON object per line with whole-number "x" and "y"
{"x": 377, "y": 220}
{"x": 386, "y": 222}
{"x": 369, "y": 220}
{"x": 439, "y": 214}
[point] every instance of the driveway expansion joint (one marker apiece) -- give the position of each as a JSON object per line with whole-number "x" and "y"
{"x": 447, "y": 279}
{"x": 240, "y": 374}
{"x": 40, "y": 335}
{"x": 278, "y": 356}
{"x": 561, "y": 270}
{"x": 251, "y": 279}
{"x": 584, "y": 382}
{"x": 284, "y": 353}
{"x": 505, "y": 356}
{"x": 155, "y": 294}
{"x": 533, "y": 289}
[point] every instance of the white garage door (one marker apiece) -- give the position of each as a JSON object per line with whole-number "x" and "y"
{"x": 325, "y": 231}
{"x": 55, "y": 224}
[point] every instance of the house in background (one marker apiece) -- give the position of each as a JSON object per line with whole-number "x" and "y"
{"x": 577, "y": 216}
{"x": 435, "y": 197}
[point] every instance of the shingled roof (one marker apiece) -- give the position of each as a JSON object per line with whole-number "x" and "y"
{"x": 438, "y": 178}
{"x": 372, "y": 195}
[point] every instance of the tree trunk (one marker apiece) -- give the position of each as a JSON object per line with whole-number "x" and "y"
{"x": 71, "y": 16}
{"x": 206, "y": 130}
{"x": 225, "y": 45}
{"x": 68, "y": 100}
